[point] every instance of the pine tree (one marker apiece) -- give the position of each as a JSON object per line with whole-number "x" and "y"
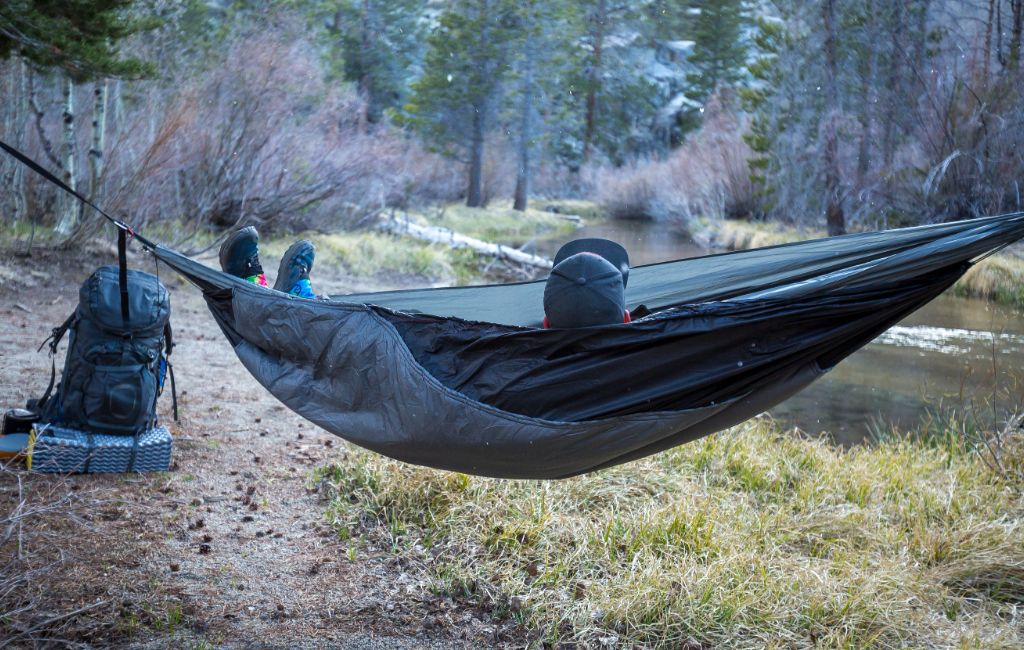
{"x": 835, "y": 217}
{"x": 453, "y": 104}
{"x": 719, "y": 52}
{"x": 80, "y": 37}
{"x": 618, "y": 101}
{"x": 669, "y": 20}
{"x": 768, "y": 41}
{"x": 374, "y": 44}
{"x": 541, "y": 85}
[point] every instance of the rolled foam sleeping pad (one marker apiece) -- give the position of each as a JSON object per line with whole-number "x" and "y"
{"x": 62, "y": 450}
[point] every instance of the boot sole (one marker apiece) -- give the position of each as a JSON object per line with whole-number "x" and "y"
{"x": 281, "y": 281}
{"x": 226, "y": 246}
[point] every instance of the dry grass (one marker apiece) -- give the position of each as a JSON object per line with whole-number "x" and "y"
{"x": 740, "y": 235}
{"x": 999, "y": 278}
{"x": 38, "y": 522}
{"x": 498, "y": 222}
{"x": 371, "y": 253}
{"x": 751, "y": 538}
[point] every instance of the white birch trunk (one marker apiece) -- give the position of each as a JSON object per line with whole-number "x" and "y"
{"x": 99, "y": 129}
{"x": 12, "y": 171}
{"x": 438, "y": 235}
{"x": 117, "y": 100}
{"x": 21, "y": 124}
{"x": 40, "y": 114}
{"x": 6, "y": 166}
{"x": 68, "y": 214}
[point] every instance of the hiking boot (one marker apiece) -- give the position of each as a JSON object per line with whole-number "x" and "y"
{"x": 240, "y": 256}
{"x": 293, "y": 273}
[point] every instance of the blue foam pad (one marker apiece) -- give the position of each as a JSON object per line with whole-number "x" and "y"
{"x": 13, "y": 444}
{"x": 58, "y": 449}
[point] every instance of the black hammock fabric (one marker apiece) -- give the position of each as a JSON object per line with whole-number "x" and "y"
{"x": 463, "y": 379}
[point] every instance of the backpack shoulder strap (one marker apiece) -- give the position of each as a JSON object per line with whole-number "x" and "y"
{"x": 168, "y": 339}
{"x": 56, "y": 334}
{"x": 122, "y": 274}
{"x": 168, "y": 348}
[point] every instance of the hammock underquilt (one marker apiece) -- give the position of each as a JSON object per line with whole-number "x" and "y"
{"x": 463, "y": 379}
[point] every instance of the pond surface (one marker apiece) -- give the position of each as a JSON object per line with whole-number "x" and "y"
{"x": 945, "y": 354}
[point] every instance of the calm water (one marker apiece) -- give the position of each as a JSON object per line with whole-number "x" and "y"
{"x": 941, "y": 354}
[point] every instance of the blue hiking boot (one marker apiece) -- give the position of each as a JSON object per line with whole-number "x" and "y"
{"x": 240, "y": 256}
{"x": 293, "y": 273}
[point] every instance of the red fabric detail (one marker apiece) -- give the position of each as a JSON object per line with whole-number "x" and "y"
{"x": 547, "y": 326}
{"x": 627, "y": 318}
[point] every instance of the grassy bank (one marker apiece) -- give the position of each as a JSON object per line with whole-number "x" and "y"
{"x": 498, "y": 222}
{"x": 376, "y": 254}
{"x": 369, "y": 253}
{"x": 999, "y": 278}
{"x": 749, "y": 538}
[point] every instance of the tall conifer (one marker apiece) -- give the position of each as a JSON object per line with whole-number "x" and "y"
{"x": 453, "y": 104}
{"x": 719, "y": 51}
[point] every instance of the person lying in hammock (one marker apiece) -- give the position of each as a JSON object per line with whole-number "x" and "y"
{"x": 586, "y": 286}
{"x": 240, "y": 257}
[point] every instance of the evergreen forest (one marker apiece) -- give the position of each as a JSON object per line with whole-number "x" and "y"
{"x": 837, "y": 114}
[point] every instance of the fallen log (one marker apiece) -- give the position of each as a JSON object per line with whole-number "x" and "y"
{"x": 439, "y": 235}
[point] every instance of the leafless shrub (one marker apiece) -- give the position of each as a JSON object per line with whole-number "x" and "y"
{"x": 555, "y": 180}
{"x": 968, "y": 153}
{"x": 499, "y": 169}
{"x": 259, "y": 139}
{"x": 265, "y": 141}
{"x": 707, "y": 177}
{"x": 628, "y": 192}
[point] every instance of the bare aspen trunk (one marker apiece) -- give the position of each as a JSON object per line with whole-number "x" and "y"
{"x": 834, "y": 217}
{"x": 117, "y": 106}
{"x": 68, "y": 210}
{"x": 99, "y": 129}
{"x": 7, "y": 166}
{"x": 870, "y": 100}
{"x": 921, "y": 44}
{"x": 39, "y": 113}
{"x": 474, "y": 194}
{"x": 525, "y": 126}
{"x": 15, "y": 115}
{"x": 987, "y": 56}
{"x": 594, "y": 79}
{"x": 18, "y": 188}
{"x": 364, "y": 79}
{"x": 892, "y": 86}
{"x": 1016, "y": 30}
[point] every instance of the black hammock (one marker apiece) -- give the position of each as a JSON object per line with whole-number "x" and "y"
{"x": 463, "y": 379}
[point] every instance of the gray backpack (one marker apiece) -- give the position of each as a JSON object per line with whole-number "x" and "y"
{"x": 116, "y": 363}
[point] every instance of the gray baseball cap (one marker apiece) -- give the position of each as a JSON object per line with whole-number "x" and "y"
{"x": 584, "y": 290}
{"x": 606, "y": 248}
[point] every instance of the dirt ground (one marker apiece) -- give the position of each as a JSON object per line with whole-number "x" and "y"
{"x": 229, "y": 548}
